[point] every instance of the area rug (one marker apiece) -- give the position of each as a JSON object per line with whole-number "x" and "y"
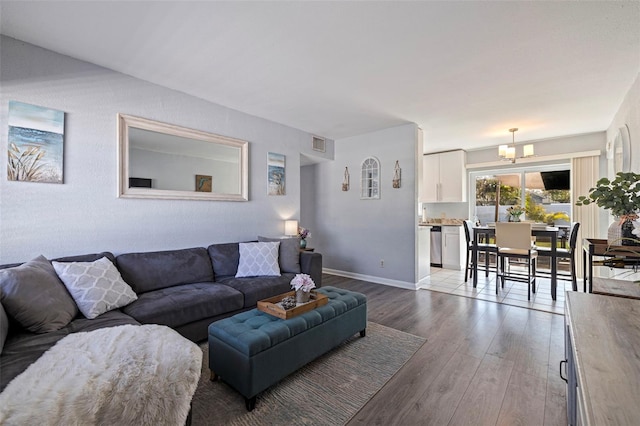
{"x": 328, "y": 391}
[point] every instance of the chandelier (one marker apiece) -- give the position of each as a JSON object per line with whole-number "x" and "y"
{"x": 508, "y": 152}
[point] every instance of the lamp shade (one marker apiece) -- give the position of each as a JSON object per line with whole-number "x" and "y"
{"x": 291, "y": 227}
{"x": 528, "y": 150}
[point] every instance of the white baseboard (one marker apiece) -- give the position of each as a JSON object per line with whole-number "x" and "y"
{"x": 370, "y": 278}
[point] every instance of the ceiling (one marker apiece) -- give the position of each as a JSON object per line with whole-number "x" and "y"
{"x": 465, "y": 72}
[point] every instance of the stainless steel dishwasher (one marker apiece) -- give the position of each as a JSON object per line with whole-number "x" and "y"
{"x": 436, "y": 246}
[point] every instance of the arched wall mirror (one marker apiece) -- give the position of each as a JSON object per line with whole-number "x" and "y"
{"x": 622, "y": 150}
{"x": 370, "y": 179}
{"x": 159, "y": 160}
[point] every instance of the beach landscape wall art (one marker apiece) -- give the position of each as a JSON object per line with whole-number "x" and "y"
{"x": 276, "y": 176}
{"x": 36, "y": 143}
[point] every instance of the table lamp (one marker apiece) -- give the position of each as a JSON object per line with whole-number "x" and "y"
{"x": 291, "y": 228}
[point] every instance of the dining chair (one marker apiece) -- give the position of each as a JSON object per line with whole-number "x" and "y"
{"x": 513, "y": 241}
{"x": 566, "y": 253}
{"x": 485, "y": 248}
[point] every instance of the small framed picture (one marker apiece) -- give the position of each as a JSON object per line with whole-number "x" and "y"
{"x": 203, "y": 183}
{"x": 275, "y": 174}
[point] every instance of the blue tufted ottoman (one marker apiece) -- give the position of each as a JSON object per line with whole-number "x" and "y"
{"x": 253, "y": 350}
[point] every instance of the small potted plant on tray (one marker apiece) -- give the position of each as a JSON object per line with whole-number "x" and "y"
{"x": 302, "y": 284}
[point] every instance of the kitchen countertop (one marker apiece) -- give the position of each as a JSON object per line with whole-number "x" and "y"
{"x": 438, "y": 224}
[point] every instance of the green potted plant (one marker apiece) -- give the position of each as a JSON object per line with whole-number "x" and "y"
{"x": 622, "y": 197}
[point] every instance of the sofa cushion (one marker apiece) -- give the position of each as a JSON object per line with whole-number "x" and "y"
{"x": 288, "y": 254}
{"x": 87, "y": 257}
{"x": 33, "y": 295}
{"x": 155, "y": 270}
{"x": 224, "y": 258}
{"x": 182, "y": 304}
{"x": 97, "y": 286}
{"x": 78, "y": 258}
{"x": 4, "y": 327}
{"x": 258, "y": 259}
{"x": 258, "y": 288}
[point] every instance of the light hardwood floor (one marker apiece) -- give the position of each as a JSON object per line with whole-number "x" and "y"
{"x": 484, "y": 363}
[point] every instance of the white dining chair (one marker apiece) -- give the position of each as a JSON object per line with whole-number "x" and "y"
{"x": 513, "y": 240}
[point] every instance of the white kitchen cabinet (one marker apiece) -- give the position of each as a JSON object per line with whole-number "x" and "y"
{"x": 453, "y": 247}
{"x": 444, "y": 177}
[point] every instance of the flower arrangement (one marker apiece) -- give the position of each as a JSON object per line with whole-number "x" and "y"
{"x": 515, "y": 211}
{"x": 303, "y": 232}
{"x": 302, "y": 282}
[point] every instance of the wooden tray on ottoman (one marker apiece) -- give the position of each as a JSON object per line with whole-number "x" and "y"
{"x": 271, "y": 305}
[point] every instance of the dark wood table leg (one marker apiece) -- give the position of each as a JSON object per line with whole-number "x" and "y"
{"x": 584, "y": 270}
{"x": 590, "y": 272}
{"x": 554, "y": 265}
{"x": 474, "y": 259}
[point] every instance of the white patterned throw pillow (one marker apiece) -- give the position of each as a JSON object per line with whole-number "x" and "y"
{"x": 258, "y": 259}
{"x": 96, "y": 287}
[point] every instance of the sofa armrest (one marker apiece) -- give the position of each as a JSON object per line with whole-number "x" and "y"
{"x": 311, "y": 264}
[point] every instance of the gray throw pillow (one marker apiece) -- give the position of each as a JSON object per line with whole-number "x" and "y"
{"x": 258, "y": 260}
{"x": 4, "y": 327}
{"x": 97, "y": 287}
{"x": 33, "y": 295}
{"x": 289, "y": 256}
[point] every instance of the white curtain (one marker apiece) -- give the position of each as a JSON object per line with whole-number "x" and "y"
{"x": 585, "y": 174}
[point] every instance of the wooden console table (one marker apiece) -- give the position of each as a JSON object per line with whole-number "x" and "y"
{"x": 597, "y": 247}
{"x": 602, "y": 343}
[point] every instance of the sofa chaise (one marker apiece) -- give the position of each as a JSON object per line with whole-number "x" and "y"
{"x": 185, "y": 289}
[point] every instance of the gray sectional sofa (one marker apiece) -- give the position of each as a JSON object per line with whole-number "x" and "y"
{"x": 184, "y": 289}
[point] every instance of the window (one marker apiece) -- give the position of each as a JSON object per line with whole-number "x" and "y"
{"x": 544, "y": 192}
{"x": 370, "y": 179}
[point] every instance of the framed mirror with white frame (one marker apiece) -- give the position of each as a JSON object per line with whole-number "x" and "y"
{"x": 165, "y": 161}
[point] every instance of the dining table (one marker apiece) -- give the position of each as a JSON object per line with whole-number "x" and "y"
{"x": 537, "y": 230}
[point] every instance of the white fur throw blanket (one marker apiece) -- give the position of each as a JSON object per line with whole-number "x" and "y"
{"x": 125, "y": 375}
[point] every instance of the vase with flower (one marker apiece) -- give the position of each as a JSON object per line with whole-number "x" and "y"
{"x": 514, "y": 213}
{"x": 303, "y": 233}
{"x": 302, "y": 284}
{"x": 622, "y": 197}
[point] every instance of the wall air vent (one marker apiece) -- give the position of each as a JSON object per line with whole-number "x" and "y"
{"x": 318, "y": 144}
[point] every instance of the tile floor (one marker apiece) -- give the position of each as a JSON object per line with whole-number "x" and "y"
{"x": 514, "y": 292}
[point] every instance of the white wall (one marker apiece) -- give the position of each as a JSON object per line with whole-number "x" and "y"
{"x": 353, "y": 235}
{"x": 84, "y": 214}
